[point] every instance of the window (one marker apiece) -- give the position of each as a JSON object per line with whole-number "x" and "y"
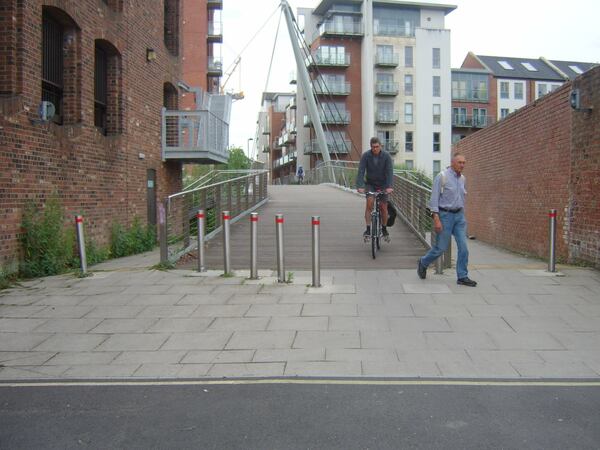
{"x": 503, "y": 112}
{"x": 436, "y": 142}
{"x": 100, "y": 88}
{"x": 393, "y": 21}
{"x": 107, "y": 88}
{"x": 456, "y": 138}
{"x": 52, "y": 64}
{"x": 385, "y": 112}
{"x": 469, "y": 86}
{"x": 529, "y": 66}
{"x": 542, "y": 89}
{"x": 385, "y": 54}
{"x": 504, "y": 89}
{"x": 331, "y": 55}
{"x": 436, "y": 168}
{"x": 519, "y": 91}
{"x": 408, "y": 56}
{"x": 554, "y": 87}
{"x": 437, "y": 113}
{"x": 410, "y": 165}
{"x": 459, "y": 117}
{"x": 479, "y": 117}
{"x": 436, "y": 86}
{"x": 408, "y": 113}
{"x": 408, "y": 85}
{"x": 408, "y": 141}
{"x": 505, "y": 65}
{"x": 171, "y": 26}
{"x": 436, "y": 58}
{"x": 576, "y": 69}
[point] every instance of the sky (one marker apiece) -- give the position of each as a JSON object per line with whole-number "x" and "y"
{"x": 516, "y": 28}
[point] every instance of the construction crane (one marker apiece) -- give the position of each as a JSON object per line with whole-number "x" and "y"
{"x": 234, "y": 95}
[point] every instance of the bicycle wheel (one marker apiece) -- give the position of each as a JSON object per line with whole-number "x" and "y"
{"x": 374, "y": 238}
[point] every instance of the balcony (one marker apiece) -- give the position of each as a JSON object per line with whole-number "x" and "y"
{"x": 340, "y": 147}
{"x": 285, "y": 160}
{"x": 387, "y": 117}
{"x": 266, "y": 149}
{"x": 335, "y": 28}
{"x": 288, "y": 138}
{"x": 324, "y": 88}
{"x": 215, "y": 66}
{"x": 387, "y": 88}
{"x": 470, "y": 95}
{"x": 215, "y": 31}
{"x": 387, "y": 60}
{"x": 214, "y": 4}
{"x": 391, "y": 146}
{"x": 322, "y": 60}
{"x": 468, "y": 121}
{"x": 330, "y": 118}
{"x": 195, "y": 136}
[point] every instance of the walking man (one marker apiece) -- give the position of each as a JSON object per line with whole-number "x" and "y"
{"x": 448, "y": 209}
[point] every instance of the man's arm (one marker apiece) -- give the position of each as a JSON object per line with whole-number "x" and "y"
{"x": 434, "y": 203}
{"x": 360, "y": 177}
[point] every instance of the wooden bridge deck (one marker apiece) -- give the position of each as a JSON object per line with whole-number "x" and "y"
{"x": 342, "y": 225}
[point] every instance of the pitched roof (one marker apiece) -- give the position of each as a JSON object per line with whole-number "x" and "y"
{"x": 573, "y": 69}
{"x": 521, "y": 68}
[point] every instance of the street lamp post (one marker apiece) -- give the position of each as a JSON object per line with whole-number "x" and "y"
{"x": 248, "y": 147}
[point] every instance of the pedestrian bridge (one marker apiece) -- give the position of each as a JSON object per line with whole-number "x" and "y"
{"x": 341, "y": 211}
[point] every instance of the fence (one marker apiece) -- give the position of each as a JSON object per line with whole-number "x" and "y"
{"x": 238, "y": 192}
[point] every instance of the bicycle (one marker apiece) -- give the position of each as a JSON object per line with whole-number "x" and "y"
{"x": 376, "y": 226}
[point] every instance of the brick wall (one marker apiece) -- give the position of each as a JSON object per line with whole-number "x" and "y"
{"x": 544, "y": 156}
{"x": 100, "y": 176}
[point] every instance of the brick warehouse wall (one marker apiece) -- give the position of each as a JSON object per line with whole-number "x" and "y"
{"x": 99, "y": 176}
{"x": 543, "y": 156}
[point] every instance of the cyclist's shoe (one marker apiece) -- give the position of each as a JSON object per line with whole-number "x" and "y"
{"x": 367, "y": 234}
{"x": 385, "y": 234}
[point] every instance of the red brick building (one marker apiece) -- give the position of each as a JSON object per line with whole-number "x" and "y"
{"x": 544, "y": 156}
{"x": 108, "y": 67}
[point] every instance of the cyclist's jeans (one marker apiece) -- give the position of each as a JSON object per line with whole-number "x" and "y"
{"x": 453, "y": 224}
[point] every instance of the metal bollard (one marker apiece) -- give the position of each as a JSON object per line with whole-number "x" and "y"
{"x": 201, "y": 230}
{"x": 226, "y": 247}
{"x": 254, "y": 246}
{"x": 162, "y": 232}
{"x": 552, "y": 238}
{"x": 279, "y": 243}
{"x": 81, "y": 243}
{"x": 316, "y": 252}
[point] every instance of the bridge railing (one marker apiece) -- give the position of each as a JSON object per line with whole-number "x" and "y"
{"x": 238, "y": 192}
{"x": 411, "y": 192}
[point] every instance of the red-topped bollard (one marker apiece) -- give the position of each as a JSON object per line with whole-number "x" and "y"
{"x": 81, "y": 243}
{"x": 279, "y": 244}
{"x": 226, "y": 243}
{"x": 316, "y": 252}
{"x": 254, "y": 246}
{"x": 552, "y": 238}
{"x": 201, "y": 230}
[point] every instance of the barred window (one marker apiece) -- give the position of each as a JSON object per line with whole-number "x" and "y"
{"x": 100, "y": 88}
{"x": 52, "y": 64}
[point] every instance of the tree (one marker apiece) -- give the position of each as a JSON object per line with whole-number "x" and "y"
{"x": 237, "y": 159}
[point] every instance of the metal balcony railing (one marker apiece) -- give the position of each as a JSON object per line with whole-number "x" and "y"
{"x": 327, "y": 60}
{"x": 340, "y": 147}
{"x": 215, "y": 66}
{"x": 387, "y": 117}
{"x": 215, "y": 31}
{"x": 387, "y": 88}
{"x": 334, "y": 28}
{"x": 470, "y": 95}
{"x": 215, "y": 4}
{"x": 330, "y": 118}
{"x": 387, "y": 60}
{"x": 194, "y": 136}
{"x": 390, "y": 146}
{"x": 321, "y": 87}
{"x": 469, "y": 121}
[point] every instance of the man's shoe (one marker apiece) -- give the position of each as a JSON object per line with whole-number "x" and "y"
{"x": 466, "y": 282}
{"x": 421, "y": 270}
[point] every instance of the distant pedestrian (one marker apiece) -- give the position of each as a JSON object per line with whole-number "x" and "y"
{"x": 448, "y": 209}
{"x": 300, "y": 174}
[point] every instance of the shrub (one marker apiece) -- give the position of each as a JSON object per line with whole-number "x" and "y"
{"x": 136, "y": 239}
{"x": 47, "y": 247}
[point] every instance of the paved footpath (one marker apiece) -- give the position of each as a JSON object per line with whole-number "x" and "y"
{"x": 518, "y": 323}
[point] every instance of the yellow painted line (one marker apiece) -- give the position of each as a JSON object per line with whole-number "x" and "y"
{"x": 275, "y": 381}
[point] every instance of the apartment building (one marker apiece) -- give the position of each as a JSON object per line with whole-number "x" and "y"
{"x": 275, "y": 140}
{"x": 488, "y": 88}
{"x": 381, "y": 69}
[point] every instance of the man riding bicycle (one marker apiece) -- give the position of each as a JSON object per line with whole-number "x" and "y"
{"x": 380, "y": 172}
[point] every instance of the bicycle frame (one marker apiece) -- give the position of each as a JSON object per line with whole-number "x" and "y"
{"x": 376, "y": 229}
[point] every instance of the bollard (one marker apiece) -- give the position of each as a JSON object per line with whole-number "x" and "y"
{"x": 552, "y": 238}
{"x": 162, "y": 232}
{"x": 316, "y": 252}
{"x": 201, "y": 230}
{"x": 279, "y": 244}
{"x": 226, "y": 249}
{"x": 254, "y": 246}
{"x": 81, "y": 243}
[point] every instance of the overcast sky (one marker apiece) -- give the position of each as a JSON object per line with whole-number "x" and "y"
{"x": 521, "y": 28}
